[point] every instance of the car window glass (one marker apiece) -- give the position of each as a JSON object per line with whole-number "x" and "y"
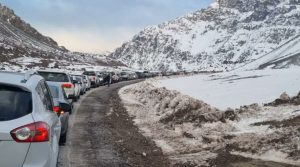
{"x": 64, "y": 94}
{"x": 89, "y": 73}
{"x": 54, "y": 91}
{"x": 14, "y": 103}
{"x": 78, "y": 79}
{"x": 47, "y": 95}
{"x": 55, "y": 77}
{"x": 41, "y": 94}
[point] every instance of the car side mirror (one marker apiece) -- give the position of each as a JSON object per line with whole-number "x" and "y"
{"x": 65, "y": 107}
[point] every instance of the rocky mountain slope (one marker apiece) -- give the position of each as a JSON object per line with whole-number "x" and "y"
{"x": 224, "y": 36}
{"x": 22, "y": 46}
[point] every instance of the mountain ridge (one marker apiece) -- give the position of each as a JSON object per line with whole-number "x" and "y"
{"x": 23, "y": 47}
{"x": 220, "y": 37}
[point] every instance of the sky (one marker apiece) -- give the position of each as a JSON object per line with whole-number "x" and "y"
{"x": 98, "y": 26}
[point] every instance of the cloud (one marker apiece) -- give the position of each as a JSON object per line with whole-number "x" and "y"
{"x": 94, "y": 40}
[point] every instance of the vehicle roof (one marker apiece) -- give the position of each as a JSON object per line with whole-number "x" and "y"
{"x": 17, "y": 79}
{"x": 53, "y": 71}
{"x": 76, "y": 75}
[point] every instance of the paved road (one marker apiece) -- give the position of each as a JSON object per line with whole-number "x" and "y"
{"x": 96, "y": 136}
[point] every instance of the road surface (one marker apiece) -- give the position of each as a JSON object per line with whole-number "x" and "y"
{"x": 102, "y": 134}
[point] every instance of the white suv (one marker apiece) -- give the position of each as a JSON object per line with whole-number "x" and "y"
{"x": 63, "y": 78}
{"x": 29, "y": 129}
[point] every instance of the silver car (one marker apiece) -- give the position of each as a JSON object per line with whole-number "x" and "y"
{"x": 80, "y": 81}
{"x": 87, "y": 82}
{"x": 29, "y": 129}
{"x": 62, "y": 78}
{"x": 95, "y": 82}
{"x": 62, "y": 106}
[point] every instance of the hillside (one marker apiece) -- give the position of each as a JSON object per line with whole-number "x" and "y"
{"x": 22, "y": 46}
{"x": 221, "y": 37}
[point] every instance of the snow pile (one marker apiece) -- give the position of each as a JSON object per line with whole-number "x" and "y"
{"x": 193, "y": 133}
{"x": 236, "y": 88}
{"x": 173, "y": 107}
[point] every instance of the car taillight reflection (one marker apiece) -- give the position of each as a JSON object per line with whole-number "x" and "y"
{"x": 35, "y": 132}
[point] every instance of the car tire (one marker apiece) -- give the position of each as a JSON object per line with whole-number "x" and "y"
{"x": 63, "y": 139}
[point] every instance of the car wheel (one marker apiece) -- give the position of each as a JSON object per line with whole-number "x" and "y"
{"x": 63, "y": 139}
{"x": 72, "y": 107}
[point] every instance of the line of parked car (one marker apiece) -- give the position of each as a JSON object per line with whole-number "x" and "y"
{"x": 34, "y": 111}
{"x": 99, "y": 78}
{"x": 35, "y": 107}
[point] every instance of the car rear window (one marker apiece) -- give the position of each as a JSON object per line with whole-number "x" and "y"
{"x": 54, "y": 91}
{"x": 14, "y": 103}
{"x": 55, "y": 77}
{"x": 78, "y": 79}
{"x": 89, "y": 73}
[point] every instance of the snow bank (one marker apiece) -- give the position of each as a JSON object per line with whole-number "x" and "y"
{"x": 176, "y": 108}
{"x": 190, "y": 131}
{"x": 234, "y": 89}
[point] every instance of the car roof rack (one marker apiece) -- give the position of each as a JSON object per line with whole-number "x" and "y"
{"x": 28, "y": 74}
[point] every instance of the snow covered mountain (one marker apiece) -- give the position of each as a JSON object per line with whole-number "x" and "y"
{"x": 224, "y": 36}
{"x": 22, "y": 46}
{"x": 284, "y": 56}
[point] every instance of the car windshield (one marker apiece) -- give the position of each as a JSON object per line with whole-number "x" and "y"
{"x": 89, "y": 73}
{"x": 14, "y": 103}
{"x": 55, "y": 77}
{"x": 54, "y": 91}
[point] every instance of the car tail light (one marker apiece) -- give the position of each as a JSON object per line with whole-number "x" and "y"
{"x": 67, "y": 85}
{"x": 35, "y": 132}
{"x": 94, "y": 78}
{"x": 56, "y": 109}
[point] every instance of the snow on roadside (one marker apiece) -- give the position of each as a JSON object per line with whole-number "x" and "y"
{"x": 190, "y": 131}
{"x": 236, "y": 88}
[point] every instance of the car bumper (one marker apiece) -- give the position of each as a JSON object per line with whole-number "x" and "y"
{"x": 69, "y": 92}
{"x": 41, "y": 155}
